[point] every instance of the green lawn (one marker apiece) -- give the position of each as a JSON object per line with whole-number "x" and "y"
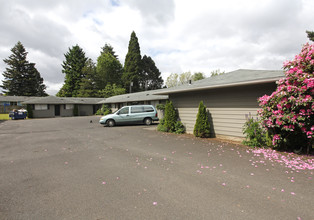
{"x": 4, "y": 117}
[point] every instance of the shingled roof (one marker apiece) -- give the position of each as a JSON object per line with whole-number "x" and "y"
{"x": 234, "y": 78}
{"x": 9, "y": 98}
{"x": 135, "y": 97}
{"x": 62, "y": 100}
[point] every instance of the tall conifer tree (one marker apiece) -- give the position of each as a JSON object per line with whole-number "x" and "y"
{"x": 21, "y": 77}
{"x": 108, "y": 49}
{"x": 73, "y": 65}
{"x": 132, "y": 65}
{"x": 150, "y": 77}
{"x": 88, "y": 86}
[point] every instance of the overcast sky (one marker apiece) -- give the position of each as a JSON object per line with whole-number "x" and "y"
{"x": 180, "y": 35}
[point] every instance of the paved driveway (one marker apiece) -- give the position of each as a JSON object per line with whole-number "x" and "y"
{"x": 69, "y": 168}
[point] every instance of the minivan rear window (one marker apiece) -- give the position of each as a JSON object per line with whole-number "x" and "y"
{"x": 148, "y": 109}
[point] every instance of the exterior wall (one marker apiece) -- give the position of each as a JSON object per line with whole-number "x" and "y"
{"x": 85, "y": 110}
{"x": 65, "y": 112}
{"x": 228, "y": 107}
{"x": 49, "y": 113}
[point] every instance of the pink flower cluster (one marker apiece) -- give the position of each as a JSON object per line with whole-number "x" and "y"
{"x": 290, "y": 160}
{"x": 290, "y": 108}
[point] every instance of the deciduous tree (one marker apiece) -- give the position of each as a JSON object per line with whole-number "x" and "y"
{"x": 179, "y": 79}
{"x": 198, "y": 76}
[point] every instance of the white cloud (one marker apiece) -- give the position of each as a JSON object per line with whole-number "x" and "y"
{"x": 180, "y": 35}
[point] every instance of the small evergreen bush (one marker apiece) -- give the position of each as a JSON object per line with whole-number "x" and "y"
{"x": 170, "y": 121}
{"x": 160, "y": 107}
{"x": 179, "y": 128}
{"x": 161, "y": 126}
{"x": 29, "y": 111}
{"x": 75, "y": 110}
{"x": 202, "y": 126}
{"x": 170, "y": 117}
{"x": 104, "y": 110}
{"x": 255, "y": 134}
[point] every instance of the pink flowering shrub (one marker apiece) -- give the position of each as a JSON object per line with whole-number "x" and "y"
{"x": 287, "y": 113}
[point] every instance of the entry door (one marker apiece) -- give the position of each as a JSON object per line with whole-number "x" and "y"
{"x": 57, "y": 110}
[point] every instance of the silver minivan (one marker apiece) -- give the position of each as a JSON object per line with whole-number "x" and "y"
{"x": 134, "y": 114}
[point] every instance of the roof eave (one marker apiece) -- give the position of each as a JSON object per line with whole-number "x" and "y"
{"x": 254, "y": 82}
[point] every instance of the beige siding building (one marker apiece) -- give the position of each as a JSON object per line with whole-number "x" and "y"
{"x": 229, "y": 99}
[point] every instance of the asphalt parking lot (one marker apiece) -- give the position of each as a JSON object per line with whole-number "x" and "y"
{"x": 69, "y": 168}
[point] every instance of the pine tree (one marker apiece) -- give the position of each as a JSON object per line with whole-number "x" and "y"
{"x": 34, "y": 82}
{"x": 150, "y": 77}
{"x": 132, "y": 65}
{"x": 88, "y": 87}
{"x": 21, "y": 77}
{"x": 109, "y": 70}
{"x": 108, "y": 49}
{"x": 73, "y": 65}
{"x": 310, "y": 35}
{"x": 202, "y": 127}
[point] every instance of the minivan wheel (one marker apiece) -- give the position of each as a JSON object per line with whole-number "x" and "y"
{"x": 148, "y": 121}
{"x": 110, "y": 123}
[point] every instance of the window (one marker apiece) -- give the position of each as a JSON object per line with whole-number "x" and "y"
{"x": 69, "y": 106}
{"x": 124, "y": 110}
{"x": 41, "y": 107}
{"x": 137, "y": 109}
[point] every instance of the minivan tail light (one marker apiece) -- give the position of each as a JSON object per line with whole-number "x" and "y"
{"x": 156, "y": 114}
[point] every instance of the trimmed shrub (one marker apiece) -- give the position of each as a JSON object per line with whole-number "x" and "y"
{"x": 161, "y": 126}
{"x": 170, "y": 121}
{"x": 170, "y": 117}
{"x": 75, "y": 110}
{"x": 104, "y": 110}
{"x": 179, "y": 128}
{"x": 160, "y": 107}
{"x": 29, "y": 111}
{"x": 202, "y": 127}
